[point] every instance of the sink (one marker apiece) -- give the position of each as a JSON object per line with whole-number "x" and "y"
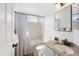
{"x": 64, "y": 49}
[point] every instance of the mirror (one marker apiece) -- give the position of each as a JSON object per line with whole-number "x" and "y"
{"x": 75, "y": 17}
{"x": 63, "y": 19}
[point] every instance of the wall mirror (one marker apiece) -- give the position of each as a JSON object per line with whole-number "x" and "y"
{"x": 63, "y": 19}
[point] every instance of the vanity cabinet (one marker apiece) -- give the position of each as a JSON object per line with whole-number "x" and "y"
{"x": 45, "y": 51}
{"x": 49, "y": 52}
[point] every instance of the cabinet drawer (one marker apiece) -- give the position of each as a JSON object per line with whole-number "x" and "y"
{"x": 49, "y": 52}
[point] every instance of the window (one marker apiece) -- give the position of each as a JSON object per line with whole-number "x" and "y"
{"x": 31, "y": 18}
{"x": 75, "y": 17}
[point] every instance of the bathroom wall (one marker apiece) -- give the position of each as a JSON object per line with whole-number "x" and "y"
{"x": 49, "y": 29}
{"x": 76, "y": 37}
{"x": 71, "y": 36}
{"x": 50, "y": 33}
{"x": 63, "y": 35}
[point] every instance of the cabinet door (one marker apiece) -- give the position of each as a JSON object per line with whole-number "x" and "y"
{"x": 46, "y": 53}
{"x": 5, "y": 30}
{"x": 9, "y": 28}
{"x": 49, "y": 52}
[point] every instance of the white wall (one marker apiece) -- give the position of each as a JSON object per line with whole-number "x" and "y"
{"x": 50, "y": 33}
{"x": 49, "y": 29}
{"x": 63, "y": 35}
{"x": 76, "y": 37}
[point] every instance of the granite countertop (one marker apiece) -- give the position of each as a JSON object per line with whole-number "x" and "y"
{"x": 74, "y": 47}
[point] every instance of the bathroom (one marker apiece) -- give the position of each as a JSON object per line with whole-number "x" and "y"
{"x": 41, "y": 21}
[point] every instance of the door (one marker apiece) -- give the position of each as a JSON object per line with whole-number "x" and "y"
{"x": 6, "y": 30}
{"x": 2, "y": 29}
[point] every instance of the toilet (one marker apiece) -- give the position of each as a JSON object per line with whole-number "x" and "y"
{"x": 39, "y": 50}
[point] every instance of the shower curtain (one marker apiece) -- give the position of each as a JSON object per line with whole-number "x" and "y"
{"x": 23, "y": 46}
{"x": 29, "y": 33}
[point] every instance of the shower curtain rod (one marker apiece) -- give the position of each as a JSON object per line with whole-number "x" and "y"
{"x": 28, "y": 14}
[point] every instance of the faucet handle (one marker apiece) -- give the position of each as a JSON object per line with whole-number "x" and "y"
{"x": 56, "y": 39}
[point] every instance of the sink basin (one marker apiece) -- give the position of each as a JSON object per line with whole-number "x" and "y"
{"x": 64, "y": 49}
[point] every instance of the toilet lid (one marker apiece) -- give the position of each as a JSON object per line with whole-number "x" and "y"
{"x": 40, "y": 47}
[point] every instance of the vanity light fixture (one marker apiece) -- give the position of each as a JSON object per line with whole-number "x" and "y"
{"x": 59, "y": 5}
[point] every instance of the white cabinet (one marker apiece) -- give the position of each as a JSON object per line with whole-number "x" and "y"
{"x": 49, "y": 52}
{"x": 43, "y": 50}
{"x": 9, "y": 28}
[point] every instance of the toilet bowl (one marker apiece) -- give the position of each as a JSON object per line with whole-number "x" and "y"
{"x": 40, "y": 49}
